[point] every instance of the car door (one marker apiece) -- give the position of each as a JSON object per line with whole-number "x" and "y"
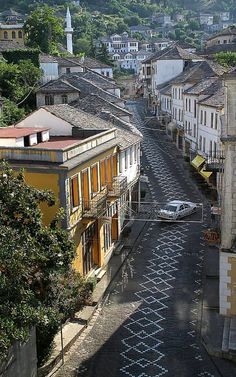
{"x": 181, "y": 211}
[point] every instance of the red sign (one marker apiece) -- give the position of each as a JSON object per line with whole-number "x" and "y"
{"x": 212, "y": 236}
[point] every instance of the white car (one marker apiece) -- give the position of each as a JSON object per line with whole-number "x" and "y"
{"x": 177, "y": 209}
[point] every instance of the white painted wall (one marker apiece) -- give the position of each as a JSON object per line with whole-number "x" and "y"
{"x": 207, "y": 133}
{"x": 132, "y": 169}
{"x": 42, "y": 118}
{"x": 165, "y": 70}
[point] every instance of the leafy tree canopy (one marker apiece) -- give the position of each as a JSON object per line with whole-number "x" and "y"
{"x": 37, "y": 286}
{"x": 44, "y": 29}
{"x": 227, "y": 59}
{"x": 17, "y": 80}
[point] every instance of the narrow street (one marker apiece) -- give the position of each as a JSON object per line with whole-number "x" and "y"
{"x": 149, "y": 325}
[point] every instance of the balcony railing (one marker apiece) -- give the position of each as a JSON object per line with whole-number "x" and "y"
{"x": 118, "y": 186}
{"x": 215, "y": 161}
{"x": 96, "y": 206}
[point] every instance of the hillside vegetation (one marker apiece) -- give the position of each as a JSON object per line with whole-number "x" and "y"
{"x": 143, "y": 8}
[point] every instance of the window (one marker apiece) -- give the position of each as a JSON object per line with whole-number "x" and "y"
{"x": 131, "y": 156}
{"x": 189, "y": 128}
{"x": 87, "y": 247}
{"x": 74, "y": 184}
{"x": 148, "y": 71}
{"x": 200, "y": 143}
{"x": 214, "y": 151}
{"x": 201, "y": 117}
{"x": 204, "y": 118}
{"x": 195, "y": 108}
{"x": 204, "y": 144}
{"x": 179, "y": 114}
{"x": 5, "y": 35}
{"x": 94, "y": 178}
{"x": 114, "y": 165}
{"x": 216, "y": 121}
{"x": 210, "y": 151}
{"x": 109, "y": 172}
{"x": 13, "y": 34}
{"x": 212, "y": 119}
{"x": 186, "y": 126}
{"x": 126, "y": 160}
{"x": 68, "y": 70}
{"x": 194, "y": 130}
{"x": 189, "y": 105}
{"x": 135, "y": 153}
{"x": 49, "y": 99}
{"x": 20, "y": 34}
{"x": 186, "y": 104}
{"x": 103, "y": 173}
{"x": 107, "y": 236}
{"x": 26, "y": 141}
{"x": 64, "y": 98}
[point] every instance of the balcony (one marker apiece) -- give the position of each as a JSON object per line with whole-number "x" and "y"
{"x": 118, "y": 186}
{"x": 215, "y": 162}
{"x": 96, "y": 206}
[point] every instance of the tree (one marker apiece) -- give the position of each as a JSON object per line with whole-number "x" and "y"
{"x": 44, "y": 30}
{"x": 82, "y": 45}
{"x": 103, "y": 55}
{"x": 227, "y": 59}
{"x": 18, "y": 80}
{"x": 35, "y": 265}
{"x": 11, "y": 113}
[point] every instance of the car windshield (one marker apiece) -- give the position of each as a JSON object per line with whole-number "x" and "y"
{"x": 170, "y": 208}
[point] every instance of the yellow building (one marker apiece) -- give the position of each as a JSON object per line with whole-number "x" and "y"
{"x": 11, "y": 26}
{"x": 78, "y": 159}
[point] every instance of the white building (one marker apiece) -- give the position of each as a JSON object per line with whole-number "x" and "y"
{"x": 119, "y": 43}
{"x": 161, "y": 67}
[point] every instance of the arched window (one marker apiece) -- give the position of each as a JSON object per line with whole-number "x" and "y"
{"x": 19, "y": 34}
{"x": 5, "y": 35}
{"x": 13, "y": 35}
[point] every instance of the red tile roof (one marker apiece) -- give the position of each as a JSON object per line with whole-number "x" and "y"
{"x": 14, "y": 132}
{"x": 58, "y": 142}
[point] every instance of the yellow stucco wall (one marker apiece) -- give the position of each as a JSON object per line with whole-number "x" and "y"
{"x": 45, "y": 181}
{"x": 232, "y": 286}
{"x": 9, "y": 33}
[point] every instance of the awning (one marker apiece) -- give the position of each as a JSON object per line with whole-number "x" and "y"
{"x": 197, "y": 161}
{"x": 205, "y": 174}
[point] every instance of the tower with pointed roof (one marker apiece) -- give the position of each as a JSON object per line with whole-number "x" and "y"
{"x": 69, "y": 32}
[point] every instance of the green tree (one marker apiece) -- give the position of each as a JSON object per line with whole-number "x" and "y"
{"x": 227, "y": 59}
{"x": 103, "y": 55}
{"x": 44, "y": 30}
{"x": 18, "y": 80}
{"x": 35, "y": 265}
{"x": 11, "y": 113}
{"x": 82, "y": 45}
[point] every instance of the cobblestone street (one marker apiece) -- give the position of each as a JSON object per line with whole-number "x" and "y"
{"x": 149, "y": 324}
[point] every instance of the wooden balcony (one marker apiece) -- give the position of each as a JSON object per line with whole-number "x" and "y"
{"x": 117, "y": 187}
{"x": 96, "y": 206}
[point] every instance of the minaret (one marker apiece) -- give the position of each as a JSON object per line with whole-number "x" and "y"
{"x": 69, "y": 31}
